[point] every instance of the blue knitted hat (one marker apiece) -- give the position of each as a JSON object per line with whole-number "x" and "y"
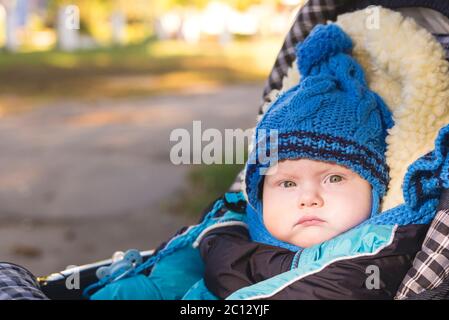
{"x": 331, "y": 115}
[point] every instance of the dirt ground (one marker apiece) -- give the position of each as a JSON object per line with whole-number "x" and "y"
{"x": 79, "y": 181}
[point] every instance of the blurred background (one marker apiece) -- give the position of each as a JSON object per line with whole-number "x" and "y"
{"x": 90, "y": 91}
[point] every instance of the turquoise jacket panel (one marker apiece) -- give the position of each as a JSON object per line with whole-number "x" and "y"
{"x": 170, "y": 279}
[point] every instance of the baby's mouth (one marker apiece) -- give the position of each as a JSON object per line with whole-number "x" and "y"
{"x": 309, "y": 220}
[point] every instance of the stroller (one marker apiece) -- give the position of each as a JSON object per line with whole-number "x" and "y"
{"x": 429, "y": 276}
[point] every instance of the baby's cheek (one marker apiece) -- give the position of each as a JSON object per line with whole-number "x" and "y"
{"x": 347, "y": 214}
{"x": 357, "y": 201}
{"x": 270, "y": 217}
{"x": 360, "y": 200}
{"x": 355, "y": 215}
{"x": 275, "y": 227}
{"x": 277, "y": 221}
{"x": 362, "y": 207}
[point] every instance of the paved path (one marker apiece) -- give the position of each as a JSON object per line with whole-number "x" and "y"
{"x": 78, "y": 181}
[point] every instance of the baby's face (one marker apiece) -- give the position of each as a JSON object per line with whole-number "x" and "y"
{"x": 306, "y": 202}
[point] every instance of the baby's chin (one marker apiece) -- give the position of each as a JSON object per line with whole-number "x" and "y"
{"x": 311, "y": 236}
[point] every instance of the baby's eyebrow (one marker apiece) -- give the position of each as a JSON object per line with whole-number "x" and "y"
{"x": 326, "y": 170}
{"x": 336, "y": 169}
{"x": 282, "y": 175}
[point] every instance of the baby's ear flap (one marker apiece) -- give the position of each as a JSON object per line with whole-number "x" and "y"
{"x": 375, "y": 205}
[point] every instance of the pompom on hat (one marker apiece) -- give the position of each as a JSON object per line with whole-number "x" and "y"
{"x": 331, "y": 115}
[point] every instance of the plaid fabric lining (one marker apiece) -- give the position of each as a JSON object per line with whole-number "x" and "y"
{"x": 439, "y": 293}
{"x": 431, "y": 265}
{"x": 17, "y": 283}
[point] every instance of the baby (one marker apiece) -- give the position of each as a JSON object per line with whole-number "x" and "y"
{"x": 329, "y": 177}
{"x": 311, "y": 226}
{"x": 305, "y": 202}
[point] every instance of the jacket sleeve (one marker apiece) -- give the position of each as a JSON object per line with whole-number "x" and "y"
{"x": 170, "y": 279}
{"x": 232, "y": 261}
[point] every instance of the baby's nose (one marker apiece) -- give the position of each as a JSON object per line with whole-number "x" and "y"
{"x": 310, "y": 199}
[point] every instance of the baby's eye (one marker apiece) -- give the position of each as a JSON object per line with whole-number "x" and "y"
{"x": 288, "y": 184}
{"x": 335, "y": 178}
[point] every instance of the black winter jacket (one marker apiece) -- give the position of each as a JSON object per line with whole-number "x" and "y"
{"x": 232, "y": 262}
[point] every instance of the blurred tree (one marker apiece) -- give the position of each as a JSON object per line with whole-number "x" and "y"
{"x": 170, "y": 4}
{"x": 243, "y": 5}
{"x": 237, "y": 4}
{"x": 93, "y": 13}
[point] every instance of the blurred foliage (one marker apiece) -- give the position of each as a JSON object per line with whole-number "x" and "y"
{"x": 243, "y": 4}
{"x": 95, "y": 11}
{"x": 170, "y": 4}
{"x": 92, "y": 10}
{"x": 95, "y": 15}
{"x": 148, "y": 68}
{"x": 86, "y": 7}
{"x": 237, "y": 4}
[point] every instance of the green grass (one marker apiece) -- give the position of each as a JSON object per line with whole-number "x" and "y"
{"x": 204, "y": 184}
{"x": 148, "y": 68}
